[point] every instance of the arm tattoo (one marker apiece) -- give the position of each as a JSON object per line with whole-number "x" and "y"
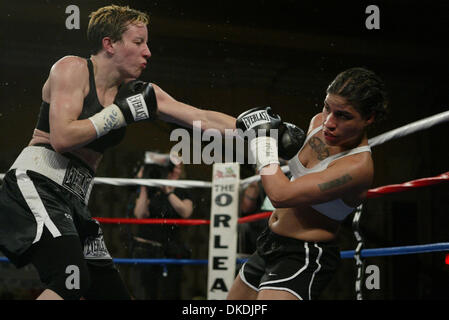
{"x": 319, "y": 147}
{"x": 335, "y": 183}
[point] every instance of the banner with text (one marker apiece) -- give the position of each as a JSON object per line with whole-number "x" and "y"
{"x": 223, "y": 230}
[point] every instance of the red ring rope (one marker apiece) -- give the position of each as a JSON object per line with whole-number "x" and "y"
{"x": 372, "y": 193}
{"x": 152, "y": 221}
{"x": 377, "y": 192}
{"x": 250, "y": 218}
{"x": 254, "y": 217}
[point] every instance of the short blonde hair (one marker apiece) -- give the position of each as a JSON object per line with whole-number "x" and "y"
{"x": 111, "y": 21}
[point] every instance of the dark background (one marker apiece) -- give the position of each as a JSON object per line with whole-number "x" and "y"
{"x": 229, "y": 56}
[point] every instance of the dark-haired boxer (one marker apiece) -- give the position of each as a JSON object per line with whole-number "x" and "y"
{"x": 332, "y": 170}
{"x": 87, "y": 103}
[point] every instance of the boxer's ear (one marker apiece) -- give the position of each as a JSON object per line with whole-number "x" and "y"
{"x": 108, "y": 45}
{"x": 370, "y": 119}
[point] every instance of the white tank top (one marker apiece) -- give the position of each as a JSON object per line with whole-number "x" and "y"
{"x": 334, "y": 209}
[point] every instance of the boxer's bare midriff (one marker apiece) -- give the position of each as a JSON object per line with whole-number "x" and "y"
{"x": 90, "y": 157}
{"x": 303, "y": 223}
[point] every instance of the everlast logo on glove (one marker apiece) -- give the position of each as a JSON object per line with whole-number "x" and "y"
{"x": 138, "y": 107}
{"x": 255, "y": 119}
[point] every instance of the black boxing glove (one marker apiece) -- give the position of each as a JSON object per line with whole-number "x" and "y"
{"x": 258, "y": 124}
{"x": 135, "y": 101}
{"x": 291, "y": 139}
{"x": 262, "y": 118}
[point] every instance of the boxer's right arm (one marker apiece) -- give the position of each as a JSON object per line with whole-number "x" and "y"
{"x": 135, "y": 101}
{"x": 69, "y": 82}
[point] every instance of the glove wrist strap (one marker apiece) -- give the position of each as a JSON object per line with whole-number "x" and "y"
{"x": 111, "y": 117}
{"x": 265, "y": 151}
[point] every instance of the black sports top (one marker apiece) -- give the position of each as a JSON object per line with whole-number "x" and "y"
{"x": 91, "y": 106}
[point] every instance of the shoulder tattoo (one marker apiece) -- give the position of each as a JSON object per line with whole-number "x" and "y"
{"x": 319, "y": 147}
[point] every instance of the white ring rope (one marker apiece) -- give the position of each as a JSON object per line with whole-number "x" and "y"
{"x": 410, "y": 128}
{"x": 393, "y": 134}
{"x": 153, "y": 182}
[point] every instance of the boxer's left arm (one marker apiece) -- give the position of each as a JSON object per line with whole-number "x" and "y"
{"x": 351, "y": 177}
{"x": 171, "y": 110}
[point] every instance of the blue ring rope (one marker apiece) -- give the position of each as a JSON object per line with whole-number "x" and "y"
{"x": 443, "y": 246}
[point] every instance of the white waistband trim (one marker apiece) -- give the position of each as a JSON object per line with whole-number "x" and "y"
{"x": 53, "y": 166}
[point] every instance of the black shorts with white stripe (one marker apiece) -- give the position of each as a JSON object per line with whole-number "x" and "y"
{"x": 280, "y": 263}
{"x": 30, "y": 202}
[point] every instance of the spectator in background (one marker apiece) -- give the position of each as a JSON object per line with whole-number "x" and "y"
{"x": 158, "y": 241}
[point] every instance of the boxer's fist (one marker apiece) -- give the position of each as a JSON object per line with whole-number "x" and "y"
{"x": 137, "y": 101}
{"x": 256, "y": 119}
{"x": 258, "y": 122}
{"x": 291, "y": 139}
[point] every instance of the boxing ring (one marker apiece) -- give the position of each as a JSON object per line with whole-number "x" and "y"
{"x": 358, "y": 254}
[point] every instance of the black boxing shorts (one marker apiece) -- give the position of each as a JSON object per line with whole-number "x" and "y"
{"x": 44, "y": 189}
{"x": 280, "y": 263}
